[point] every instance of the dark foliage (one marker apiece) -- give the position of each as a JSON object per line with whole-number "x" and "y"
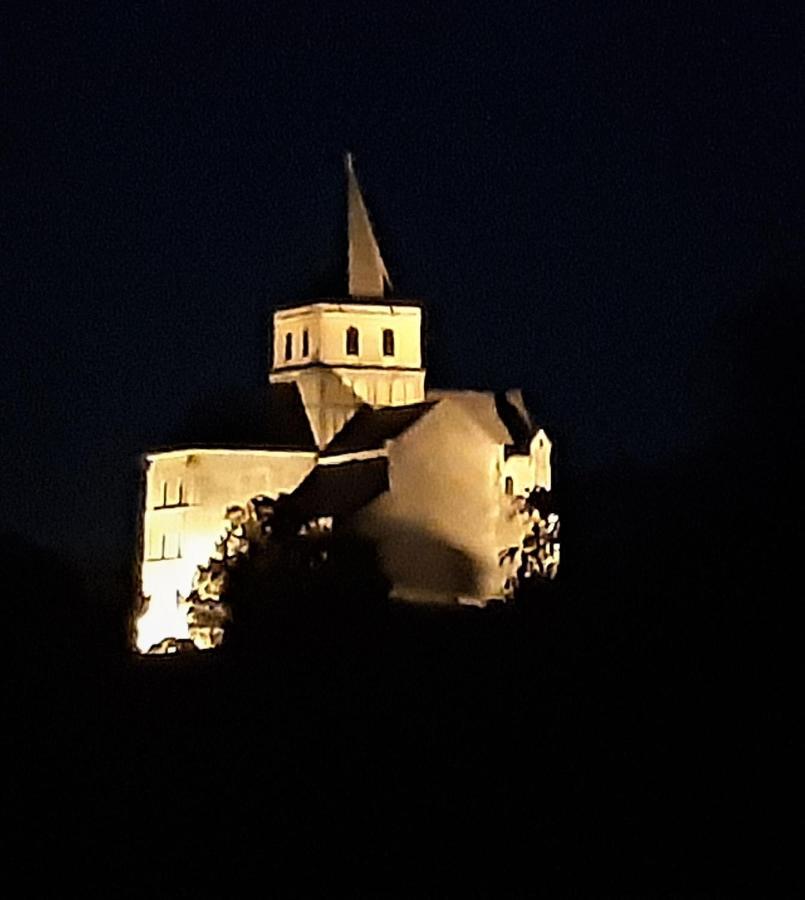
{"x": 312, "y": 586}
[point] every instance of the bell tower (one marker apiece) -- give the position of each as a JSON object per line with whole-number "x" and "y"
{"x": 361, "y": 349}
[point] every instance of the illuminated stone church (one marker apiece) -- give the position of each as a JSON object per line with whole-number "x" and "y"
{"x": 435, "y": 479}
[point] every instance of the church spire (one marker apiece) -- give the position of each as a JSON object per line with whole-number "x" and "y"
{"x": 367, "y": 271}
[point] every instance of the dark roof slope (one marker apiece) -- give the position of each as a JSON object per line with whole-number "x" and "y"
{"x": 287, "y": 424}
{"x": 273, "y": 417}
{"x": 339, "y": 490}
{"x": 369, "y": 428}
{"x": 514, "y": 415}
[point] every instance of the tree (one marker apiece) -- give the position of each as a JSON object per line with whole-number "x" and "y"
{"x": 537, "y": 556}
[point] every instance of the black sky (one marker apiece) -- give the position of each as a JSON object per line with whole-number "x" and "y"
{"x": 580, "y": 192}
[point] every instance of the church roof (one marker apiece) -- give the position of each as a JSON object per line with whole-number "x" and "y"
{"x": 364, "y": 279}
{"x": 503, "y": 416}
{"x": 367, "y": 271}
{"x": 339, "y": 490}
{"x": 514, "y": 414}
{"x": 369, "y": 429}
{"x": 287, "y": 424}
{"x": 332, "y": 297}
{"x": 271, "y": 418}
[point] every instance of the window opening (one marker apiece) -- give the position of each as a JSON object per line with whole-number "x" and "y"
{"x": 288, "y": 346}
{"x": 164, "y": 496}
{"x": 352, "y": 341}
{"x": 388, "y": 342}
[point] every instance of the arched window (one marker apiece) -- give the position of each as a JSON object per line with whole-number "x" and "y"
{"x": 388, "y": 342}
{"x": 352, "y": 341}
{"x": 305, "y": 343}
{"x": 509, "y": 485}
{"x": 288, "y": 346}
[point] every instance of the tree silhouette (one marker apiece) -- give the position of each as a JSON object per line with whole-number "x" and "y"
{"x": 269, "y": 563}
{"x": 537, "y": 556}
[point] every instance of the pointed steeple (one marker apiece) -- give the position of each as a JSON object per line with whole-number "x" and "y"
{"x": 367, "y": 271}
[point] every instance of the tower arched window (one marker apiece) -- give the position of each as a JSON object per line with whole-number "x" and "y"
{"x": 509, "y": 485}
{"x": 388, "y": 342}
{"x": 305, "y": 343}
{"x": 288, "y": 346}
{"x": 352, "y": 341}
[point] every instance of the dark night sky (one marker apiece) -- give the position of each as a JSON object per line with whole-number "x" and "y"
{"x": 580, "y": 192}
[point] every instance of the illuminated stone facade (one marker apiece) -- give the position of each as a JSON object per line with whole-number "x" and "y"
{"x": 344, "y": 354}
{"x": 347, "y": 390}
{"x": 187, "y": 493}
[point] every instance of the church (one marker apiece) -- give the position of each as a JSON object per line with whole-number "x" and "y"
{"x": 435, "y": 479}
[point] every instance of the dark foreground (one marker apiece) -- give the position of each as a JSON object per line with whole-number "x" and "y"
{"x": 626, "y": 729}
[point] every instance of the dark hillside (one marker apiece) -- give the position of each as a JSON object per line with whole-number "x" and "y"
{"x": 588, "y": 735}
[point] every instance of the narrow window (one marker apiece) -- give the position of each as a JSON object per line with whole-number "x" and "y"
{"x": 288, "y": 346}
{"x": 305, "y": 343}
{"x": 170, "y": 546}
{"x": 388, "y": 342}
{"x": 180, "y": 501}
{"x": 164, "y": 496}
{"x": 165, "y": 546}
{"x": 509, "y": 485}
{"x": 352, "y": 341}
